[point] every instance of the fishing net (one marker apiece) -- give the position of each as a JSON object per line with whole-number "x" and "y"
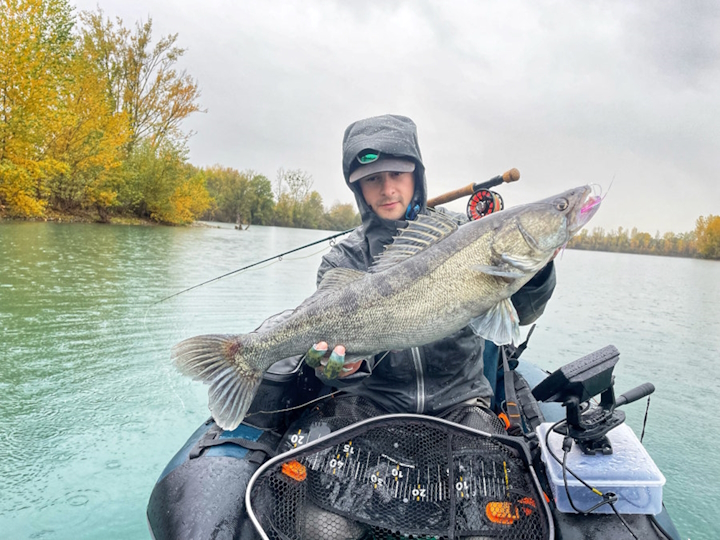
{"x": 399, "y": 477}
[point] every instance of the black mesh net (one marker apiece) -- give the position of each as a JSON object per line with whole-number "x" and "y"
{"x": 398, "y": 477}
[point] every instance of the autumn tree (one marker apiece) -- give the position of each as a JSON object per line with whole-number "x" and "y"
{"x": 160, "y": 185}
{"x": 35, "y": 48}
{"x": 342, "y": 217}
{"x": 707, "y": 231}
{"x": 264, "y": 206}
{"x": 143, "y": 84}
{"x": 297, "y": 204}
{"x": 90, "y": 141}
{"x": 142, "y": 79}
{"x": 244, "y": 197}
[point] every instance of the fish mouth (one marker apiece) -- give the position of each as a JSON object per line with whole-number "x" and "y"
{"x": 586, "y": 208}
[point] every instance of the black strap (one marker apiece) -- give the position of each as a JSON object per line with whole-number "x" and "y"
{"x": 521, "y": 348}
{"x": 531, "y": 412}
{"x": 511, "y": 407}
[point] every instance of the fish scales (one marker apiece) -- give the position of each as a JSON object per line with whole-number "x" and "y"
{"x": 425, "y": 287}
{"x": 419, "y": 291}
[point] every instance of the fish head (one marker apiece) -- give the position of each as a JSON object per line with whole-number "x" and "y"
{"x": 533, "y": 232}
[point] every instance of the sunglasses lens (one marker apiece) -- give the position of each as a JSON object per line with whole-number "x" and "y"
{"x": 368, "y": 157}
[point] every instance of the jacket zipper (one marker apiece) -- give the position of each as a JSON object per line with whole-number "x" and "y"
{"x": 420, "y": 407}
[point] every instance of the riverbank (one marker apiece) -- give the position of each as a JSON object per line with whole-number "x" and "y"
{"x": 81, "y": 217}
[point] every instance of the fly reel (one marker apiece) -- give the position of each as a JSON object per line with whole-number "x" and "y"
{"x": 482, "y": 203}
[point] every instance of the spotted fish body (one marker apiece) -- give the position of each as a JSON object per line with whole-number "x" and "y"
{"x": 435, "y": 279}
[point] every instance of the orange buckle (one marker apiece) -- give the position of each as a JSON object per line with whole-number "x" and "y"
{"x": 294, "y": 470}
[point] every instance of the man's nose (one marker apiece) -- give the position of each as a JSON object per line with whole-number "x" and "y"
{"x": 385, "y": 185}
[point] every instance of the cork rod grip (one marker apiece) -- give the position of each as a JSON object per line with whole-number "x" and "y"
{"x": 508, "y": 176}
{"x": 451, "y": 196}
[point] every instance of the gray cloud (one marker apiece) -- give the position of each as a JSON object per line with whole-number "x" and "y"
{"x": 568, "y": 92}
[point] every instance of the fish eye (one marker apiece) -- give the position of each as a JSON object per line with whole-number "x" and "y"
{"x": 561, "y": 204}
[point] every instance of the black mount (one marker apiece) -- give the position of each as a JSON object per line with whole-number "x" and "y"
{"x": 574, "y": 384}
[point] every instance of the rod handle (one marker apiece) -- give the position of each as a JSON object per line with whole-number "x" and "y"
{"x": 451, "y": 196}
{"x": 511, "y": 175}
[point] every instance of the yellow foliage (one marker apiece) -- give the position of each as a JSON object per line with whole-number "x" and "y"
{"x": 91, "y": 139}
{"x": 189, "y": 200}
{"x": 707, "y": 230}
{"x": 35, "y": 45}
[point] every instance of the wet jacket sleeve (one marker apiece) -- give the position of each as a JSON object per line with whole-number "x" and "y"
{"x": 530, "y": 301}
{"x": 326, "y": 264}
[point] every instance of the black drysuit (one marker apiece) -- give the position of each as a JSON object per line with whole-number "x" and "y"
{"x": 434, "y": 377}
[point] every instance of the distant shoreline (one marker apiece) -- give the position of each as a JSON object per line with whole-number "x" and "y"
{"x": 88, "y": 217}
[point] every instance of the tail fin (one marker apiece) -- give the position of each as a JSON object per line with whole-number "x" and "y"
{"x": 217, "y": 360}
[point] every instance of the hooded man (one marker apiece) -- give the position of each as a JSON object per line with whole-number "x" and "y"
{"x": 383, "y": 167}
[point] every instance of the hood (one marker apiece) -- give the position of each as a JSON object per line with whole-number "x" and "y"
{"x": 393, "y": 135}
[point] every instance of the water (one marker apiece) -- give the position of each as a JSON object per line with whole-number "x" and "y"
{"x": 91, "y": 410}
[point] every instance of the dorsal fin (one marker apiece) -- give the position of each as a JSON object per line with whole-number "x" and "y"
{"x": 419, "y": 235}
{"x": 339, "y": 277}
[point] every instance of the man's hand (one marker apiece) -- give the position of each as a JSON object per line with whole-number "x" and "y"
{"x": 330, "y": 365}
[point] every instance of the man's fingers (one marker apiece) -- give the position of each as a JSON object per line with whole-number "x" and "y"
{"x": 349, "y": 369}
{"x": 332, "y": 365}
{"x": 335, "y": 362}
{"x": 315, "y": 355}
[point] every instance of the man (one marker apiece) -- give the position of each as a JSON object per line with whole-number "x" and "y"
{"x": 383, "y": 167}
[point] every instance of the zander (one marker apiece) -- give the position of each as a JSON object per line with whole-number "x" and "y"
{"x": 434, "y": 279}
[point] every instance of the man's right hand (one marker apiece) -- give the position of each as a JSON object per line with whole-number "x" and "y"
{"x": 330, "y": 365}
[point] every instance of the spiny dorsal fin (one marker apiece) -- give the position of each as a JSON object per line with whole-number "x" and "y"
{"x": 339, "y": 277}
{"x": 419, "y": 235}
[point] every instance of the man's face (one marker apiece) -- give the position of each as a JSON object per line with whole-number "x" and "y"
{"x": 388, "y": 193}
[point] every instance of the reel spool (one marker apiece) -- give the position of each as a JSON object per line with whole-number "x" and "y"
{"x": 482, "y": 203}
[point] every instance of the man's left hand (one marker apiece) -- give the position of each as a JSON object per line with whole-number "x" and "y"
{"x": 330, "y": 365}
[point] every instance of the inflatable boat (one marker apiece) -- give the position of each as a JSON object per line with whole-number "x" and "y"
{"x": 551, "y": 464}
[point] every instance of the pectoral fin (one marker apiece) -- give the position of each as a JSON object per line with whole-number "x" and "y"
{"x": 500, "y": 324}
{"x": 524, "y": 264}
{"x": 504, "y": 271}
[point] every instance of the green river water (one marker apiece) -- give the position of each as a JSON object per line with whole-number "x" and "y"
{"x": 91, "y": 409}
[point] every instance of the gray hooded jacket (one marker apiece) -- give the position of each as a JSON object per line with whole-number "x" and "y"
{"x": 434, "y": 377}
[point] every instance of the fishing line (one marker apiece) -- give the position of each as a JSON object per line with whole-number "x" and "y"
{"x": 301, "y": 258}
{"x": 254, "y": 266}
{"x": 279, "y": 255}
{"x": 279, "y": 259}
{"x": 332, "y": 394}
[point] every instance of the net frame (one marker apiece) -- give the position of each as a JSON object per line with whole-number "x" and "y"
{"x": 468, "y": 440}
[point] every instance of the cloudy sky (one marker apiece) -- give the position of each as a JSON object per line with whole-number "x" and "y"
{"x": 616, "y": 91}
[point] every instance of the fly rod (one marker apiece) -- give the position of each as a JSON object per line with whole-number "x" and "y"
{"x": 509, "y": 176}
{"x": 279, "y": 255}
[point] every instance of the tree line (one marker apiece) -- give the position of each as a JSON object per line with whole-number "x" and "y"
{"x": 249, "y": 198}
{"x": 90, "y": 124}
{"x": 703, "y": 242}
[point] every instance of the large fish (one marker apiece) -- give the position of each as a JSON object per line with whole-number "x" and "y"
{"x": 433, "y": 280}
